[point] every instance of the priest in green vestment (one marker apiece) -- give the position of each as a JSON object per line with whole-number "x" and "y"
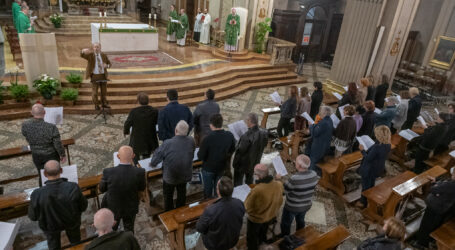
{"x": 182, "y": 27}
{"x": 172, "y": 24}
{"x": 232, "y": 31}
{"x": 16, "y": 8}
{"x": 23, "y": 22}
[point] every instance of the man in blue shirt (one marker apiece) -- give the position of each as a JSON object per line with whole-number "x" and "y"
{"x": 170, "y": 115}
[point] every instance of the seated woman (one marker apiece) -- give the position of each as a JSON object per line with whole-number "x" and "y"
{"x": 287, "y": 112}
{"x": 394, "y": 231}
{"x": 303, "y": 105}
{"x": 344, "y": 135}
{"x": 373, "y": 162}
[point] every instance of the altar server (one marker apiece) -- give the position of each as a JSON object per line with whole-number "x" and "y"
{"x": 205, "y": 28}
{"x": 232, "y": 31}
{"x": 172, "y": 26}
{"x": 197, "y": 25}
{"x": 182, "y": 28}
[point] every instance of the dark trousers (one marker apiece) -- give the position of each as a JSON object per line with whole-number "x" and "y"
{"x": 210, "y": 181}
{"x": 430, "y": 222}
{"x": 239, "y": 173}
{"x": 367, "y": 183}
{"x": 128, "y": 221}
{"x": 421, "y": 156}
{"x": 408, "y": 124}
{"x": 284, "y": 123}
{"x": 101, "y": 86}
{"x": 256, "y": 234}
{"x": 40, "y": 160}
{"x": 197, "y": 36}
{"x": 53, "y": 237}
{"x": 313, "y": 165}
{"x": 288, "y": 216}
{"x": 168, "y": 193}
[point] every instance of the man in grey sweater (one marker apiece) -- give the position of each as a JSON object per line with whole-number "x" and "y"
{"x": 177, "y": 156}
{"x": 202, "y": 114}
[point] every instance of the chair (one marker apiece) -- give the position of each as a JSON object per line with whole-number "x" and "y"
{"x": 189, "y": 38}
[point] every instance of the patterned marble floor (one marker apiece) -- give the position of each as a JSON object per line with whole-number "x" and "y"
{"x": 96, "y": 141}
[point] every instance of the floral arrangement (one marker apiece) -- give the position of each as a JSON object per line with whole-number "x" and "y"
{"x": 46, "y": 86}
{"x": 56, "y": 19}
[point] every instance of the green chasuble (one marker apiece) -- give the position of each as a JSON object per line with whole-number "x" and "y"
{"x": 23, "y": 24}
{"x": 15, "y": 9}
{"x": 232, "y": 30}
{"x": 182, "y": 27}
{"x": 172, "y": 27}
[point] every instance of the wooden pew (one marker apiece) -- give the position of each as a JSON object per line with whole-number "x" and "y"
{"x": 329, "y": 99}
{"x": 292, "y": 143}
{"x": 384, "y": 198}
{"x": 333, "y": 171}
{"x": 175, "y": 220}
{"x": 445, "y": 235}
{"x": 443, "y": 160}
{"x": 399, "y": 145}
{"x": 267, "y": 112}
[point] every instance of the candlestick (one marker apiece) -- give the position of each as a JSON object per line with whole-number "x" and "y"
{"x": 105, "y": 14}
{"x": 150, "y": 15}
{"x": 150, "y": 21}
{"x": 100, "y": 14}
{"x": 154, "y": 16}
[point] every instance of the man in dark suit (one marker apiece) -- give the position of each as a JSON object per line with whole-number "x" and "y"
{"x": 57, "y": 206}
{"x": 107, "y": 238}
{"x": 321, "y": 136}
{"x": 142, "y": 120}
{"x": 170, "y": 115}
{"x": 122, "y": 185}
{"x": 202, "y": 114}
{"x": 97, "y": 65}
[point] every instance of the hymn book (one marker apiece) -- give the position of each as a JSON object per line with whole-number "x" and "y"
{"x": 377, "y": 111}
{"x": 279, "y": 166}
{"x": 8, "y": 232}
{"x": 341, "y": 109}
{"x": 422, "y": 121}
{"x": 275, "y": 97}
{"x": 408, "y": 134}
{"x": 365, "y": 141}
{"x": 338, "y": 96}
{"x": 68, "y": 172}
{"x": 241, "y": 192}
{"x": 335, "y": 120}
{"x": 145, "y": 164}
{"x": 452, "y": 154}
{"x": 54, "y": 115}
{"x": 308, "y": 118}
{"x": 238, "y": 128}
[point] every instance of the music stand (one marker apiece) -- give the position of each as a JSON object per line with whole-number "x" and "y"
{"x": 103, "y": 111}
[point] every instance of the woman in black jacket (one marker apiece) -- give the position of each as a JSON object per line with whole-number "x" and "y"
{"x": 351, "y": 96}
{"x": 316, "y": 99}
{"x": 394, "y": 231}
{"x": 288, "y": 109}
{"x": 381, "y": 92}
{"x": 368, "y": 119}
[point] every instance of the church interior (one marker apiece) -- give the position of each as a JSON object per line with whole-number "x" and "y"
{"x": 249, "y": 52}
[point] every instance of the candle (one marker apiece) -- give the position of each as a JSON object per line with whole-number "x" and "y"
{"x": 100, "y": 14}
{"x": 105, "y": 14}
{"x": 150, "y": 15}
{"x": 154, "y": 16}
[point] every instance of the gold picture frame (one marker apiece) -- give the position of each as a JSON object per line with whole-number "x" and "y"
{"x": 444, "y": 53}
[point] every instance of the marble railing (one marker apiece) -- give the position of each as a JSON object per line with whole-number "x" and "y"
{"x": 280, "y": 51}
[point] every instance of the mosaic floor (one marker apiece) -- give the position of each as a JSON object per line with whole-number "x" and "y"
{"x": 96, "y": 141}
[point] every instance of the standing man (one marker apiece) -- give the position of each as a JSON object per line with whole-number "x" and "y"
{"x": 23, "y": 21}
{"x": 249, "y": 151}
{"x": 321, "y": 136}
{"x": 172, "y": 24}
{"x": 122, "y": 185}
{"x": 97, "y": 65}
{"x": 205, "y": 29}
{"x": 177, "y": 156}
{"x": 202, "y": 114}
{"x": 182, "y": 28}
{"x": 57, "y": 207}
{"x": 43, "y": 138}
{"x": 414, "y": 107}
{"x": 232, "y": 31}
{"x": 16, "y": 8}
{"x": 215, "y": 152}
{"x": 142, "y": 121}
{"x": 171, "y": 114}
{"x": 198, "y": 24}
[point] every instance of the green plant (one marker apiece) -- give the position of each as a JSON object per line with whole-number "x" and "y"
{"x": 2, "y": 89}
{"x": 69, "y": 94}
{"x": 56, "y": 19}
{"x": 74, "y": 78}
{"x": 261, "y": 32}
{"x": 46, "y": 86}
{"x": 19, "y": 92}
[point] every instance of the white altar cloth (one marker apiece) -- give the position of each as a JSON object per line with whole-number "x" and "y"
{"x": 125, "y": 37}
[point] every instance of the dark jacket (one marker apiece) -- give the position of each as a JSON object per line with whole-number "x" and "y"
{"x": 115, "y": 240}
{"x": 321, "y": 136}
{"x": 373, "y": 162}
{"x": 370, "y": 94}
{"x": 43, "y": 137}
{"x": 380, "y": 242}
{"x": 381, "y": 93}
{"x": 433, "y": 136}
{"x": 348, "y": 99}
{"x": 441, "y": 197}
{"x": 122, "y": 184}
{"x": 202, "y": 114}
{"x": 414, "y": 107}
{"x": 250, "y": 148}
{"x": 216, "y": 151}
{"x": 288, "y": 108}
{"x": 57, "y": 206}
{"x": 169, "y": 116}
{"x": 386, "y": 116}
{"x": 346, "y": 129}
{"x": 220, "y": 223}
{"x": 369, "y": 118}
{"x": 316, "y": 100}
{"x": 143, "y": 138}
{"x": 91, "y": 62}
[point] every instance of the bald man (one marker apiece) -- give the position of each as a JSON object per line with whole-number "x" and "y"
{"x": 43, "y": 138}
{"x": 122, "y": 185}
{"x": 57, "y": 206}
{"x": 107, "y": 238}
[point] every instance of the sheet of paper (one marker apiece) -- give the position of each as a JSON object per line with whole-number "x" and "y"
{"x": 29, "y": 192}
{"x": 338, "y": 96}
{"x": 275, "y": 97}
{"x": 195, "y": 157}
{"x": 365, "y": 141}
{"x": 408, "y": 134}
{"x": 241, "y": 192}
{"x": 436, "y": 110}
{"x": 377, "y": 111}
{"x": 174, "y": 21}
{"x": 68, "y": 172}
{"x": 345, "y": 88}
{"x": 341, "y": 109}
{"x": 452, "y": 154}
{"x": 422, "y": 121}
{"x": 116, "y": 159}
{"x": 399, "y": 98}
{"x": 238, "y": 128}
{"x": 54, "y": 115}
{"x": 335, "y": 120}
{"x": 308, "y": 118}
{"x": 145, "y": 164}
{"x": 279, "y": 166}
{"x": 8, "y": 232}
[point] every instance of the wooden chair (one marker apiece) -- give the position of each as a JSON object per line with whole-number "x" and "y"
{"x": 189, "y": 38}
{"x": 267, "y": 112}
{"x": 292, "y": 143}
{"x": 443, "y": 160}
{"x": 445, "y": 235}
{"x": 329, "y": 99}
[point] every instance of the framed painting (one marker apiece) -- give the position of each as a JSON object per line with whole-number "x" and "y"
{"x": 444, "y": 53}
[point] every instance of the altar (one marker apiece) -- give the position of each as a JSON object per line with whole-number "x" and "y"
{"x": 123, "y": 37}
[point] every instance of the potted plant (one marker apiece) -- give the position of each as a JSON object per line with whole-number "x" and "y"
{"x": 74, "y": 79}
{"x": 46, "y": 86}
{"x": 69, "y": 95}
{"x": 56, "y": 19}
{"x": 261, "y": 32}
{"x": 20, "y": 93}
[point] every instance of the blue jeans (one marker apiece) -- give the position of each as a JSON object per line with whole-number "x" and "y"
{"x": 288, "y": 217}
{"x": 210, "y": 181}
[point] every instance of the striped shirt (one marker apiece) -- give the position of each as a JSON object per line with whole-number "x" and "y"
{"x": 299, "y": 190}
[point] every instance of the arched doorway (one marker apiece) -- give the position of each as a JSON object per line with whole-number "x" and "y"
{"x": 313, "y": 34}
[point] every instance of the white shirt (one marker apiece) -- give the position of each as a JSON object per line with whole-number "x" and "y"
{"x": 95, "y": 70}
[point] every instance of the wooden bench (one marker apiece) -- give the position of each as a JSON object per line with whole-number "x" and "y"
{"x": 445, "y": 236}
{"x": 267, "y": 112}
{"x": 384, "y": 198}
{"x": 399, "y": 145}
{"x": 329, "y": 99}
{"x": 292, "y": 143}
{"x": 333, "y": 171}
{"x": 443, "y": 160}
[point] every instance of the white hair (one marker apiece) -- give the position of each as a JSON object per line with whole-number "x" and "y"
{"x": 325, "y": 111}
{"x": 182, "y": 128}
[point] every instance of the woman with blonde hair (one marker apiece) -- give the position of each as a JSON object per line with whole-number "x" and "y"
{"x": 394, "y": 231}
{"x": 363, "y": 90}
{"x": 287, "y": 110}
{"x": 373, "y": 162}
{"x": 303, "y": 105}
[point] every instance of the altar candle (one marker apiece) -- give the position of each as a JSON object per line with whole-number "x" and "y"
{"x": 105, "y": 14}
{"x": 154, "y": 16}
{"x": 150, "y": 15}
{"x": 101, "y": 14}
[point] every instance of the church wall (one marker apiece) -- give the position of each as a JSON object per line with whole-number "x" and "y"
{"x": 281, "y": 4}
{"x": 166, "y": 8}
{"x": 214, "y": 11}
{"x": 450, "y": 31}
